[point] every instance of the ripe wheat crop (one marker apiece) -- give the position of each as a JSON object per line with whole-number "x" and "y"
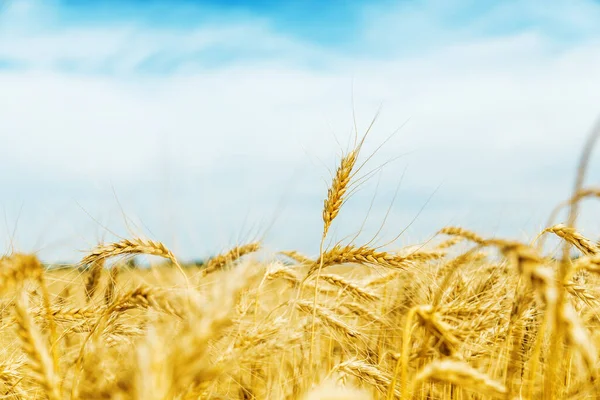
{"x": 462, "y": 316}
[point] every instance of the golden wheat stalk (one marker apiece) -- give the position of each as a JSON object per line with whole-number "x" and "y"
{"x": 330, "y": 319}
{"x": 364, "y": 312}
{"x": 448, "y": 243}
{"x": 11, "y": 374}
{"x": 461, "y": 374}
{"x": 432, "y": 321}
{"x": 285, "y": 273}
{"x": 128, "y": 247}
{"x": 203, "y": 325}
{"x": 222, "y": 260}
{"x": 36, "y": 349}
{"x": 75, "y": 313}
{"x": 463, "y": 233}
{"x": 16, "y": 268}
{"x": 579, "y": 195}
{"x": 581, "y": 292}
{"x": 132, "y": 247}
{"x": 109, "y": 292}
{"x": 346, "y": 286}
{"x": 93, "y": 279}
{"x": 337, "y": 190}
{"x": 578, "y": 337}
{"x": 351, "y": 254}
{"x": 367, "y": 373}
{"x": 575, "y": 238}
{"x": 144, "y": 296}
{"x": 558, "y": 334}
{"x": 296, "y": 256}
{"x": 331, "y": 208}
{"x": 587, "y": 263}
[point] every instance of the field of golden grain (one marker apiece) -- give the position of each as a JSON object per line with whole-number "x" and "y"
{"x": 459, "y": 317}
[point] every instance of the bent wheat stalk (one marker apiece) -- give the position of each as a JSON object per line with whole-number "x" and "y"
{"x": 222, "y": 260}
{"x": 570, "y": 235}
{"x": 132, "y": 247}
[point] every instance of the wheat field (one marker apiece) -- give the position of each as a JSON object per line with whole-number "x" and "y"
{"x": 461, "y": 316}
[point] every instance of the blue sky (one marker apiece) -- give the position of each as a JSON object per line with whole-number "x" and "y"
{"x": 206, "y": 124}
{"x": 166, "y": 36}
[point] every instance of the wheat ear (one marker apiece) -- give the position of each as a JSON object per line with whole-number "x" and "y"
{"x": 222, "y": 260}
{"x": 36, "y": 350}
{"x": 93, "y": 279}
{"x": 575, "y": 238}
{"x": 460, "y": 374}
{"x": 132, "y": 247}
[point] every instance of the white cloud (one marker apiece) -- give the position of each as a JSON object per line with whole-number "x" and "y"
{"x": 498, "y": 121}
{"x": 32, "y": 36}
